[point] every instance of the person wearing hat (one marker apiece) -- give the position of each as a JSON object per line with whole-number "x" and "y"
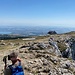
{"x": 16, "y": 67}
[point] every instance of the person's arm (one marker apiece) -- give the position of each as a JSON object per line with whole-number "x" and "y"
{"x": 22, "y": 64}
{"x": 5, "y": 66}
{"x": 5, "y": 61}
{"x": 18, "y": 59}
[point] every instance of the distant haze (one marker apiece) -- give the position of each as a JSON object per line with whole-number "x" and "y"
{"x": 33, "y": 30}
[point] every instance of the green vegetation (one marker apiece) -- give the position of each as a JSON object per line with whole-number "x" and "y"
{"x": 62, "y": 47}
{"x": 12, "y": 36}
{"x": 42, "y": 37}
{"x": 72, "y": 32}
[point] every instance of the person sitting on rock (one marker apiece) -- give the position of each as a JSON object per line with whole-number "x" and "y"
{"x": 15, "y": 68}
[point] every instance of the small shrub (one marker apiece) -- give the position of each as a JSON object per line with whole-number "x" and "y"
{"x": 62, "y": 47}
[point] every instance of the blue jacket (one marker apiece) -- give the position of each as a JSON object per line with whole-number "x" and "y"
{"x": 18, "y": 70}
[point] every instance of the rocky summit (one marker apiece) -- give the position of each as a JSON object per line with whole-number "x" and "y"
{"x": 45, "y": 55}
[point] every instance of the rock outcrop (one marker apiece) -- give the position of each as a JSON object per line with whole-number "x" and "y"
{"x": 44, "y": 57}
{"x": 52, "y": 32}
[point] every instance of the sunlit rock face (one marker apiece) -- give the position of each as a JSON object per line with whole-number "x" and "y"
{"x": 73, "y": 50}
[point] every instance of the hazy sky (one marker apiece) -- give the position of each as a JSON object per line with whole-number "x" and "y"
{"x": 37, "y": 12}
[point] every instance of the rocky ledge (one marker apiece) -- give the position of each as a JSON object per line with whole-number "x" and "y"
{"x": 49, "y": 56}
